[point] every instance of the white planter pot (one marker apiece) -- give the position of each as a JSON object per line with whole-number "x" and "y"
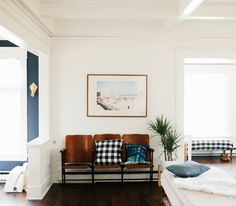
{"x": 165, "y": 164}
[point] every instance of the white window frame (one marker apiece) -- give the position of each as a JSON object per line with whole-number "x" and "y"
{"x": 21, "y": 55}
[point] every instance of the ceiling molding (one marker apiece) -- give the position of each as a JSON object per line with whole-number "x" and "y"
{"x": 55, "y": 18}
{"x": 19, "y": 24}
{"x": 33, "y": 17}
{"x": 94, "y": 2}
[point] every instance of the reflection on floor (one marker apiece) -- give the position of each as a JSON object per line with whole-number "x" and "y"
{"x": 99, "y": 194}
{"x": 216, "y": 162}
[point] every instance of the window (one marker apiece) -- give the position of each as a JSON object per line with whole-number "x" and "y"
{"x": 13, "y": 137}
{"x": 206, "y": 110}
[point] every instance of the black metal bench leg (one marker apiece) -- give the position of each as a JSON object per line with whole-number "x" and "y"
{"x": 122, "y": 174}
{"x": 92, "y": 174}
{"x": 151, "y": 174}
{"x": 63, "y": 176}
{"x": 231, "y": 156}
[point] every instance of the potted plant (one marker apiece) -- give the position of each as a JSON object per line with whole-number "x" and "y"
{"x": 170, "y": 138}
{"x": 171, "y": 144}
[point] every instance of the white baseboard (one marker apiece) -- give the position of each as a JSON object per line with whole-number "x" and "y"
{"x": 37, "y": 192}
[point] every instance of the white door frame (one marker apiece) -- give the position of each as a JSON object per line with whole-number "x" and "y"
{"x": 181, "y": 54}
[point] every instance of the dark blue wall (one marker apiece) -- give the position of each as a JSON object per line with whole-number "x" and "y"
{"x": 5, "y": 43}
{"x": 32, "y": 103}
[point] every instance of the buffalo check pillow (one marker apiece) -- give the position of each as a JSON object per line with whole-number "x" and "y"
{"x": 108, "y": 152}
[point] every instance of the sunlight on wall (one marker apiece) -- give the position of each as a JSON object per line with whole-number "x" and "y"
{"x": 206, "y": 103}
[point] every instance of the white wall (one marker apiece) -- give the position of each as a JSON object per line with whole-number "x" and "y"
{"x": 44, "y": 95}
{"x": 232, "y": 103}
{"x": 74, "y": 58}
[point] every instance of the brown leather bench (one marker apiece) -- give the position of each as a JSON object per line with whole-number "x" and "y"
{"x": 79, "y": 155}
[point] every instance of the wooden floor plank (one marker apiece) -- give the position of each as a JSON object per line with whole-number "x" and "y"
{"x": 99, "y": 194}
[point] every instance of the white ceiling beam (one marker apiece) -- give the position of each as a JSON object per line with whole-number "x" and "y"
{"x": 186, "y": 8}
{"x": 215, "y": 11}
{"x": 212, "y": 18}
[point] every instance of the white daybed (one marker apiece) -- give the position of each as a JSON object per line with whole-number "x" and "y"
{"x": 184, "y": 197}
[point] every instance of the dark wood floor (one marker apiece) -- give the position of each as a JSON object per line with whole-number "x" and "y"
{"x": 99, "y": 194}
{"x": 216, "y": 162}
{"x": 104, "y": 194}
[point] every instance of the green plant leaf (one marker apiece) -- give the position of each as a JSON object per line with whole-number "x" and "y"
{"x": 160, "y": 126}
{"x": 170, "y": 138}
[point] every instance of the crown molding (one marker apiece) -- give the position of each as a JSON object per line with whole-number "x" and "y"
{"x": 33, "y": 17}
{"x": 15, "y": 20}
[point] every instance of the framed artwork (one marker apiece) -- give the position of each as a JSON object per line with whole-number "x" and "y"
{"x": 116, "y": 95}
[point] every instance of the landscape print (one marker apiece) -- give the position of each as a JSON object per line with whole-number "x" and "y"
{"x": 117, "y": 95}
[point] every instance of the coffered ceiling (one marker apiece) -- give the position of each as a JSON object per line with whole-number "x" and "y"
{"x": 84, "y": 17}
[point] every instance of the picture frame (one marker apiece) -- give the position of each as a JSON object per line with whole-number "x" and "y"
{"x": 117, "y": 95}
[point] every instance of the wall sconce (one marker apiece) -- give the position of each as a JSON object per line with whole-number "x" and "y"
{"x": 33, "y": 88}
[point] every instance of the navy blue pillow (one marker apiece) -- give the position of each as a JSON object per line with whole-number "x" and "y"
{"x": 188, "y": 169}
{"x": 136, "y": 154}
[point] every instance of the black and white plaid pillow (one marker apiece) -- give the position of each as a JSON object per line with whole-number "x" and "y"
{"x": 108, "y": 152}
